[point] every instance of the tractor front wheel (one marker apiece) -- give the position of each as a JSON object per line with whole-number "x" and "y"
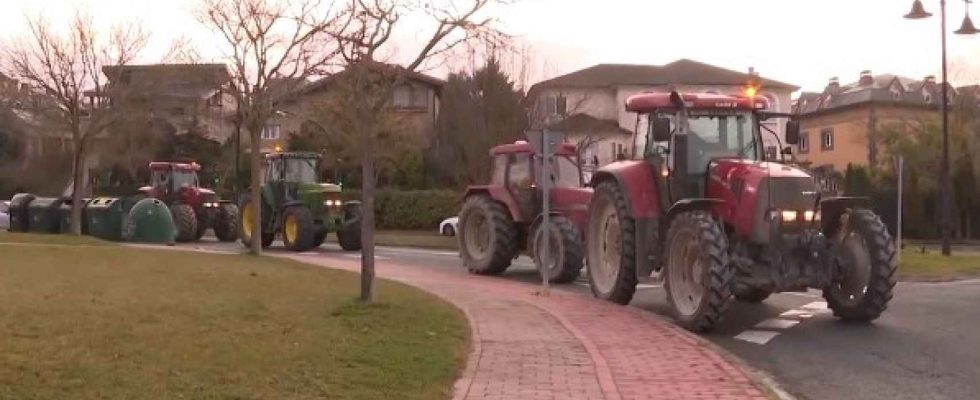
{"x": 611, "y": 245}
{"x": 699, "y": 276}
{"x": 565, "y": 250}
{"x": 486, "y": 236}
{"x": 226, "y": 224}
{"x": 868, "y": 276}
{"x": 298, "y": 230}
{"x": 349, "y": 237}
{"x": 247, "y": 222}
{"x": 186, "y": 221}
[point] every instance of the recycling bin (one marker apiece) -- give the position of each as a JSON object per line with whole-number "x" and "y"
{"x": 150, "y": 221}
{"x": 19, "y": 220}
{"x": 42, "y": 214}
{"x": 104, "y": 217}
{"x": 64, "y": 216}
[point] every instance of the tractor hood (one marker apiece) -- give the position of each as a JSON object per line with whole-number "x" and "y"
{"x": 313, "y": 188}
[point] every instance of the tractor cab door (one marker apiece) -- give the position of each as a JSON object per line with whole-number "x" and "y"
{"x": 274, "y": 180}
{"x": 520, "y": 184}
{"x": 701, "y": 139}
{"x": 161, "y": 180}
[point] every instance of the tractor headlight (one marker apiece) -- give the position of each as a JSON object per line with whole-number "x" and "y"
{"x": 811, "y": 216}
{"x": 788, "y": 215}
{"x": 332, "y": 203}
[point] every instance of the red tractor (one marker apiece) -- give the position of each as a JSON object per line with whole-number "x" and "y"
{"x": 194, "y": 208}
{"x": 708, "y": 211}
{"x": 501, "y": 220}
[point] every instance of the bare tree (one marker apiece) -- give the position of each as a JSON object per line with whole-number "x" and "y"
{"x": 272, "y": 46}
{"x": 68, "y": 67}
{"x": 367, "y": 28}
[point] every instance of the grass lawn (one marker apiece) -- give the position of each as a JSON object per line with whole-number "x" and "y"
{"x": 420, "y": 239}
{"x": 932, "y": 266}
{"x": 94, "y": 322}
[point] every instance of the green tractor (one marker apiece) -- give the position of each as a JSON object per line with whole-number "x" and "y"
{"x": 300, "y": 208}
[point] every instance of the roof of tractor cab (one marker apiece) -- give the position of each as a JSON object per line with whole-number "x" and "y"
{"x": 193, "y": 166}
{"x": 290, "y": 154}
{"x": 521, "y": 146}
{"x": 647, "y": 102}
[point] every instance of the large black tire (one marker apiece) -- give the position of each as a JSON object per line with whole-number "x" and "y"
{"x": 487, "y": 236}
{"x": 349, "y": 237}
{"x": 186, "y": 222}
{"x": 611, "y": 245}
{"x": 877, "y": 277}
{"x": 202, "y": 225}
{"x": 305, "y": 230}
{"x": 244, "y": 215}
{"x": 225, "y": 225}
{"x": 699, "y": 277}
{"x": 566, "y": 258}
{"x": 319, "y": 238}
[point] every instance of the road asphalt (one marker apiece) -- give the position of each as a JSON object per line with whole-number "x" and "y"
{"x": 925, "y": 346}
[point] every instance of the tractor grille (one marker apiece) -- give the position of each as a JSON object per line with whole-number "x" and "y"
{"x": 781, "y": 193}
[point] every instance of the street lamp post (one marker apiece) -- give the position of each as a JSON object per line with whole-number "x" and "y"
{"x": 967, "y": 28}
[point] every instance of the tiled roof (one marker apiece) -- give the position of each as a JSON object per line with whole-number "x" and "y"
{"x": 884, "y": 88}
{"x": 682, "y": 71}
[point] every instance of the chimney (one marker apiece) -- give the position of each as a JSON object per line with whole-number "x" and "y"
{"x": 752, "y": 71}
{"x": 866, "y": 78}
{"x": 834, "y": 83}
{"x": 930, "y": 80}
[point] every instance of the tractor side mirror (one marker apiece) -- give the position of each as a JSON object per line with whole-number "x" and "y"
{"x": 661, "y": 129}
{"x": 793, "y": 132}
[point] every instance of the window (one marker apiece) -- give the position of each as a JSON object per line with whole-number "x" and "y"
{"x": 804, "y": 145}
{"x": 271, "y": 132}
{"x": 402, "y": 96}
{"x": 827, "y": 139}
{"x": 499, "y": 169}
{"x": 215, "y": 100}
{"x": 555, "y": 105}
{"x": 519, "y": 176}
{"x": 771, "y": 153}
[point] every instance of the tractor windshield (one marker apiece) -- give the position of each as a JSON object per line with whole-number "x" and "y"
{"x": 715, "y": 134}
{"x": 300, "y": 170}
{"x": 185, "y": 179}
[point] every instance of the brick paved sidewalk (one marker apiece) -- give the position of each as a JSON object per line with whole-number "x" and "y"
{"x": 568, "y": 346}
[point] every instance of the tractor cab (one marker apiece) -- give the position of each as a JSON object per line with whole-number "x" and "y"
{"x": 516, "y": 168}
{"x": 173, "y": 182}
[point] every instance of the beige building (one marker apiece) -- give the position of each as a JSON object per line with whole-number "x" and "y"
{"x": 601, "y": 92}
{"x": 843, "y": 125}
{"x": 415, "y": 102}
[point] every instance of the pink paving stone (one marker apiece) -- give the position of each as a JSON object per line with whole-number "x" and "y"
{"x": 568, "y": 346}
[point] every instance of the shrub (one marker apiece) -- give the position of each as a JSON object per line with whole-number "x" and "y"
{"x": 411, "y": 209}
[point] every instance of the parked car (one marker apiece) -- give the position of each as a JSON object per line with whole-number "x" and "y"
{"x": 5, "y": 215}
{"x": 448, "y": 226}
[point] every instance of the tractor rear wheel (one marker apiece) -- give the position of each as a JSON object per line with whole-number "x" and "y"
{"x": 565, "y": 255}
{"x": 698, "y": 276}
{"x": 186, "y": 221}
{"x": 247, "y": 221}
{"x": 611, "y": 245}
{"x": 487, "y": 241}
{"x": 226, "y": 224}
{"x": 202, "y": 225}
{"x": 298, "y": 230}
{"x": 319, "y": 238}
{"x": 349, "y": 237}
{"x": 862, "y": 293}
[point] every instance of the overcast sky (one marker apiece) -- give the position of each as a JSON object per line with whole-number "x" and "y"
{"x": 796, "y": 41}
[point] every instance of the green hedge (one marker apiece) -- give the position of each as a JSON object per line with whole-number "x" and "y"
{"x": 412, "y": 209}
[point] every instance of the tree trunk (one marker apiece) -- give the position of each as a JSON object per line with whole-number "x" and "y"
{"x": 368, "y": 184}
{"x": 256, "y": 161}
{"x": 78, "y": 175}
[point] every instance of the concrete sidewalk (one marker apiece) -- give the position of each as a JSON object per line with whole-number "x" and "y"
{"x": 567, "y": 346}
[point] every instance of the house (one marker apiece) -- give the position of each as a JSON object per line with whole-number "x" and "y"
{"x": 601, "y": 91}
{"x": 415, "y": 102}
{"x": 183, "y": 97}
{"x": 842, "y": 125}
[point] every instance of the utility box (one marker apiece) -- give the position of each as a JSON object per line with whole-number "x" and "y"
{"x": 104, "y": 217}
{"x": 43, "y": 215}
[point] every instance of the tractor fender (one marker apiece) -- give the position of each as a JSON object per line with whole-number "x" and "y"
{"x": 499, "y": 194}
{"x": 686, "y": 205}
{"x": 293, "y": 203}
{"x": 831, "y": 208}
{"x": 637, "y": 181}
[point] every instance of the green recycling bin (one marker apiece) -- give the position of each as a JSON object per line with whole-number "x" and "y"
{"x": 64, "y": 216}
{"x": 150, "y": 221}
{"x": 43, "y": 215}
{"x": 104, "y": 217}
{"x": 18, "y": 212}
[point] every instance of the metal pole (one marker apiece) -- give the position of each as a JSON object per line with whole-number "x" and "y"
{"x": 545, "y": 184}
{"x": 946, "y": 220}
{"x": 238, "y": 151}
{"x": 898, "y": 225}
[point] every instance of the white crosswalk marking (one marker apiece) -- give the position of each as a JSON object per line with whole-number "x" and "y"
{"x": 757, "y": 337}
{"x": 816, "y": 306}
{"x": 777, "y": 323}
{"x": 802, "y": 314}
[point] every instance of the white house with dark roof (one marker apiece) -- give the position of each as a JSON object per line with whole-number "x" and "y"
{"x": 600, "y": 92}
